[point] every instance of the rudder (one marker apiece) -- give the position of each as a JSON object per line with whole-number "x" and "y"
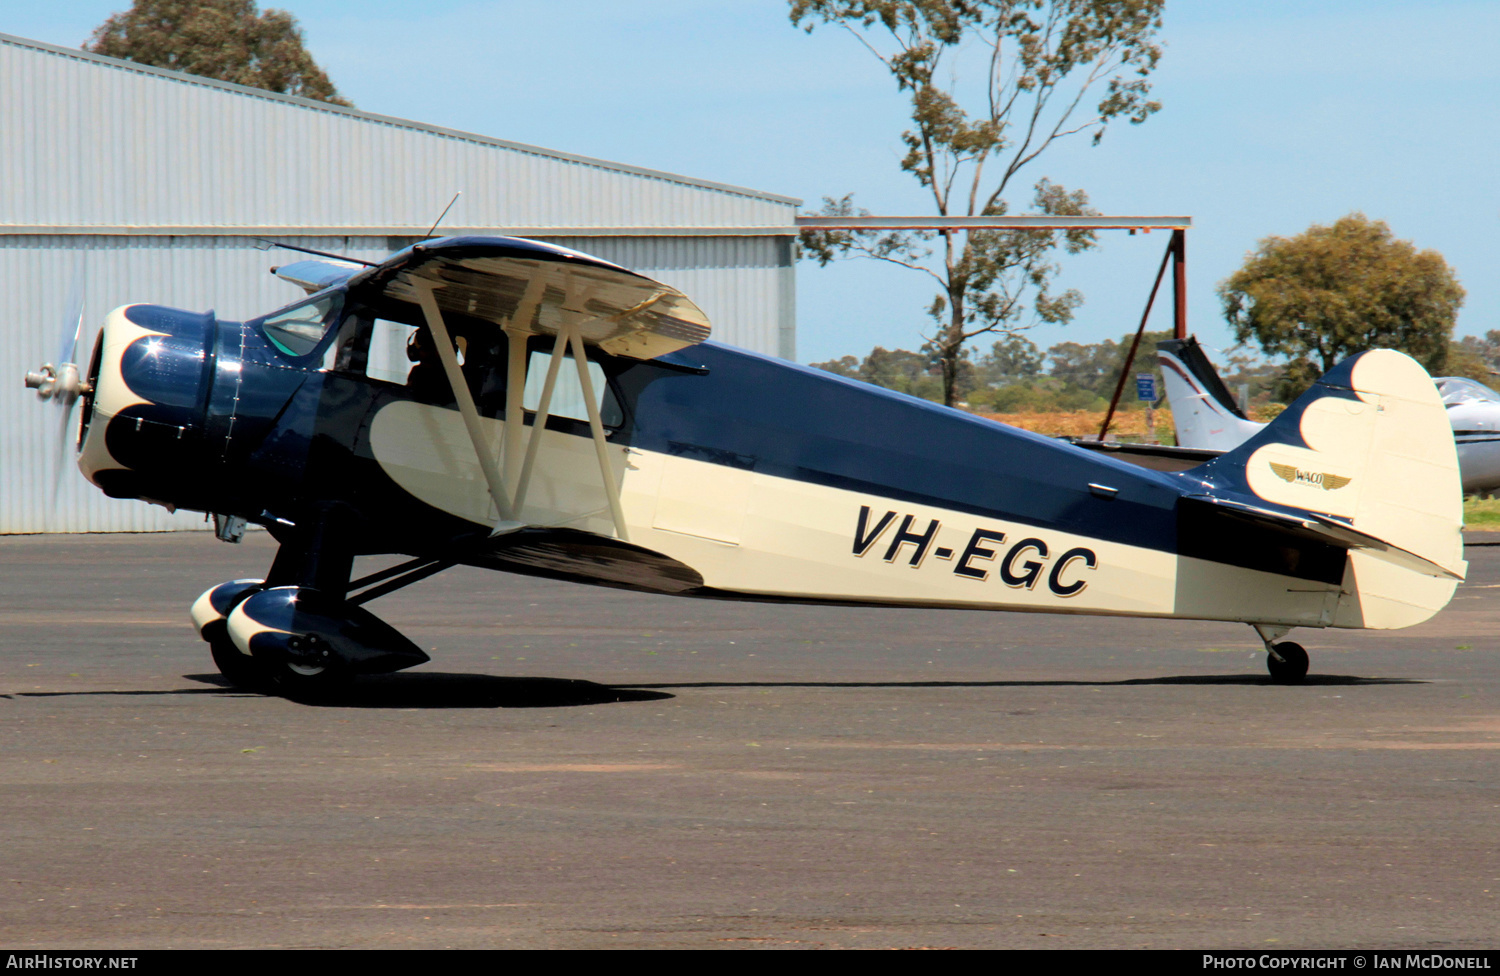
{"x": 1369, "y": 448}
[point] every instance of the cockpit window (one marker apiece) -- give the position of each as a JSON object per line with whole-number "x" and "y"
{"x": 567, "y": 393}
{"x": 388, "y": 357}
{"x": 297, "y": 331}
{"x": 1457, "y": 389}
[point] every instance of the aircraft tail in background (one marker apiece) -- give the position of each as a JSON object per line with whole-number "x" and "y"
{"x": 1204, "y": 411}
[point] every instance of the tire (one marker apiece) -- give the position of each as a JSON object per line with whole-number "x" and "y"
{"x": 1293, "y": 666}
{"x": 242, "y": 670}
{"x": 310, "y": 683}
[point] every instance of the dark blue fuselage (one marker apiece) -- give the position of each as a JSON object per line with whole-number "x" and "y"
{"x": 235, "y": 425}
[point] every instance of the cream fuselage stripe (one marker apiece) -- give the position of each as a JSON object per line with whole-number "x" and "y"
{"x": 768, "y": 535}
{"x": 759, "y": 534}
{"x": 975, "y": 550}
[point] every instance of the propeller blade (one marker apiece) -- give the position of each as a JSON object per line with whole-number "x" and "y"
{"x": 64, "y": 443}
{"x": 72, "y": 323}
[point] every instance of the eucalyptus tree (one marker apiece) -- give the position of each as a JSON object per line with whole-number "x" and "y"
{"x": 1335, "y": 290}
{"x": 992, "y": 84}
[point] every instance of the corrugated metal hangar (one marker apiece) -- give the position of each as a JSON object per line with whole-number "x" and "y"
{"x": 151, "y": 185}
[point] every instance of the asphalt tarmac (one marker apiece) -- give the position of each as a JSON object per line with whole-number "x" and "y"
{"x": 582, "y": 767}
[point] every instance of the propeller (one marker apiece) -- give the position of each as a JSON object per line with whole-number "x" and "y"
{"x": 61, "y": 382}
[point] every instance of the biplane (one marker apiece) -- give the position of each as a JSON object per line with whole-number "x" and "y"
{"x": 517, "y": 406}
{"x": 1209, "y": 420}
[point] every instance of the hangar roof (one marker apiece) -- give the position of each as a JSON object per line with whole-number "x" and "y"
{"x": 115, "y": 147}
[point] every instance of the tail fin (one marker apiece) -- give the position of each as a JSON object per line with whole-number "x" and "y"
{"x": 1366, "y": 461}
{"x": 1206, "y": 416}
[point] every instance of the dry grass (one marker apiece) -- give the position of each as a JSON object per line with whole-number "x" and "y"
{"x": 1078, "y": 423}
{"x": 1480, "y": 514}
{"x": 1128, "y": 424}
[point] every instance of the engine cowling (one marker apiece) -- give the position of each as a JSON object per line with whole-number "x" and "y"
{"x": 144, "y": 430}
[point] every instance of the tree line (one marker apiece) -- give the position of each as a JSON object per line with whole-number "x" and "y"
{"x": 1311, "y": 300}
{"x": 1016, "y": 376}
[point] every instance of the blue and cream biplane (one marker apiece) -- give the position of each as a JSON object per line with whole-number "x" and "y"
{"x": 517, "y": 406}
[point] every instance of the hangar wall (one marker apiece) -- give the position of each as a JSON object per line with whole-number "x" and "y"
{"x": 104, "y": 144}
{"x": 150, "y": 185}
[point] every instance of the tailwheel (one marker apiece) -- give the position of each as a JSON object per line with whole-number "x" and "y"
{"x": 1292, "y": 667}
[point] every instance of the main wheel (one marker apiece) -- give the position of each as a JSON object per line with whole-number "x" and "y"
{"x": 1293, "y": 664}
{"x": 310, "y": 682}
{"x": 242, "y": 670}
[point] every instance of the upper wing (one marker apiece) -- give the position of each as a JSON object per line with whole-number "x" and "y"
{"x": 314, "y": 276}
{"x": 537, "y": 288}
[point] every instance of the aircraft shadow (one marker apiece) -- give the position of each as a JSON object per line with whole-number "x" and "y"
{"x": 1312, "y": 680}
{"x": 449, "y": 690}
{"x": 436, "y": 689}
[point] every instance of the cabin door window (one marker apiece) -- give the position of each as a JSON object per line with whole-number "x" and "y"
{"x": 567, "y": 394}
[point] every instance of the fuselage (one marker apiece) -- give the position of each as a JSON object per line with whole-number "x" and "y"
{"x": 739, "y": 475}
{"x": 1474, "y": 412}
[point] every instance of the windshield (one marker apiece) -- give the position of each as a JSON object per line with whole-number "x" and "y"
{"x": 297, "y": 331}
{"x": 1457, "y": 389}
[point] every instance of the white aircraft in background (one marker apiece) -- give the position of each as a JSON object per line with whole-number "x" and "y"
{"x": 1208, "y": 419}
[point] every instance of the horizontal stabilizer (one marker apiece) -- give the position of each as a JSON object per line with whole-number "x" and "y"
{"x": 1320, "y": 528}
{"x": 1156, "y": 457}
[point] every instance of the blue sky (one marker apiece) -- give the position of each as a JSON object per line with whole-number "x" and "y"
{"x": 1276, "y": 115}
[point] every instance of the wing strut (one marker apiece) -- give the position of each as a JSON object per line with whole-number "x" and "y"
{"x": 516, "y": 472}
{"x": 486, "y": 457}
{"x": 543, "y": 411}
{"x": 517, "y": 328}
{"x": 596, "y": 427}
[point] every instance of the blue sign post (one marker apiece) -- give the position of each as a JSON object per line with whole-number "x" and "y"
{"x": 1145, "y": 391}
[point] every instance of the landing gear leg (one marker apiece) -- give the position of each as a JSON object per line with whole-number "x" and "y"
{"x": 1287, "y": 661}
{"x": 300, "y": 626}
{"x": 323, "y": 560}
{"x": 320, "y": 557}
